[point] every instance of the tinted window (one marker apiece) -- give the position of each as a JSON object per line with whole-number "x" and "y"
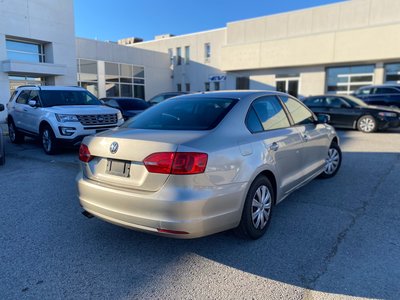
{"x": 336, "y": 102}
{"x": 315, "y": 102}
{"x": 363, "y": 92}
{"x": 299, "y": 113}
{"x": 270, "y": 113}
{"x": 183, "y": 114}
{"x": 23, "y": 97}
{"x": 55, "y": 98}
{"x": 252, "y": 121}
{"x": 386, "y": 91}
{"x": 133, "y": 104}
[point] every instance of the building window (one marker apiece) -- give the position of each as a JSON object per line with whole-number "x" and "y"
{"x": 288, "y": 84}
{"x": 25, "y": 51}
{"x": 187, "y": 54}
{"x": 179, "y": 87}
{"x": 242, "y": 83}
{"x": 123, "y": 80}
{"x": 207, "y": 52}
{"x": 345, "y": 80}
{"x": 179, "y": 56}
{"x": 217, "y": 86}
{"x": 207, "y": 86}
{"x": 392, "y": 73}
{"x": 188, "y": 87}
{"x": 87, "y": 75}
{"x": 171, "y": 56}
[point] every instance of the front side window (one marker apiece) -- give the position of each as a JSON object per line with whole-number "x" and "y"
{"x": 363, "y": 92}
{"x": 23, "y": 97}
{"x": 184, "y": 114}
{"x": 300, "y": 114}
{"x": 270, "y": 113}
{"x": 25, "y": 51}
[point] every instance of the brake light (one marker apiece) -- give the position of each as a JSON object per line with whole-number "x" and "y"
{"x": 84, "y": 154}
{"x": 177, "y": 163}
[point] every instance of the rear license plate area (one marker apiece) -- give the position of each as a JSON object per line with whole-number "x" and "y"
{"x": 118, "y": 167}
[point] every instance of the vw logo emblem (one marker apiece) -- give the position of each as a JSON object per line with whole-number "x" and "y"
{"x": 114, "y": 147}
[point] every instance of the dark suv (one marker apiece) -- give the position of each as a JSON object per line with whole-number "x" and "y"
{"x": 387, "y": 94}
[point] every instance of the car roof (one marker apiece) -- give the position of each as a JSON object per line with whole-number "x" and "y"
{"x": 51, "y": 88}
{"x": 236, "y": 94}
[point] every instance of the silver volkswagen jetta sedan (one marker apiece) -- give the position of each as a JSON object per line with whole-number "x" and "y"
{"x": 205, "y": 163}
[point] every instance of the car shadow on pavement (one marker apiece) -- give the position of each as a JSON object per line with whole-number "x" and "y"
{"x": 335, "y": 236}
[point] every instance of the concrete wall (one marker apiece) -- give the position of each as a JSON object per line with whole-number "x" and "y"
{"x": 352, "y": 31}
{"x": 156, "y": 64}
{"x": 198, "y": 70}
{"x": 47, "y": 21}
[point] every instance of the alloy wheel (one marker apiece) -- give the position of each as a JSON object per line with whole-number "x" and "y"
{"x": 332, "y": 162}
{"x": 46, "y": 140}
{"x": 367, "y": 124}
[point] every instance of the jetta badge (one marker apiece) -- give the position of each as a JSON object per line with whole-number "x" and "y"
{"x": 114, "y": 147}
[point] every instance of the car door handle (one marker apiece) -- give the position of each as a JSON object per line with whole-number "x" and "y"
{"x": 25, "y": 109}
{"x": 274, "y": 147}
{"x": 306, "y": 137}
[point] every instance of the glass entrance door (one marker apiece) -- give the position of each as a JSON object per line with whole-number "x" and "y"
{"x": 288, "y": 85}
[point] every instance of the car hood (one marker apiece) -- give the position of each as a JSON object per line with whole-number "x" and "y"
{"x": 383, "y": 108}
{"x": 82, "y": 109}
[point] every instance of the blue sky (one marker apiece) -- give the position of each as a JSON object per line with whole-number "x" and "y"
{"x": 113, "y": 20}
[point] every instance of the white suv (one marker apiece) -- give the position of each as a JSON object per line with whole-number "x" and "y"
{"x": 57, "y": 115}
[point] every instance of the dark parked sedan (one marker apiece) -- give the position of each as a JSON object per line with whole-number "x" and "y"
{"x": 351, "y": 112}
{"x": 129, "y": 107}
{"x": 2, "y": 152}
{"x": 386, "y": 94}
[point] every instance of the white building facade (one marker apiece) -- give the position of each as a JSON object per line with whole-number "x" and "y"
{"x": 327, "y": 49}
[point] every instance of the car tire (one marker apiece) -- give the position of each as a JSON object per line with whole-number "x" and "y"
{"x": 257, "y": 210}
{"x": 48, "y": 140}
{"x": 367, "y": 124}
{"x": 15, "y": 136}
{"x": 332, "y": 162}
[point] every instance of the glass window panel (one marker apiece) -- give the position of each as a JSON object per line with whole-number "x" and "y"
{"x": 126, "y": 80}
{"x": 126, "y": 70}
{"x": 179, "y": 87}
{"x": 139, "y": 91}
{"x": 138, "y": 72}
{"x": 91, "y": 87}
{"x": 187, "y": 87}
{"x": 126, "y": 90}
{"x": 111, "y": 69}
{"x": 392, "y": 68}
{"x": 271, "y": 113}
{"x": 87, "y": 77}
{"x": 88, "y": 66}
{"x": 23, "y": 46}
{"x": 300, "y": 114}
{"x": 179, "y": 56}
{"x": 217, "y": 85}
{"x": 393, "y": 77}
{"x": 112, "y": 90}
{"x": 366, "y": 78}
{"x": 281, "y": 86}
{"x": 187, "y": 54}
{"x": 138, "y": 81}
{"x": 24, "y": 57}
{"x": 111, "y": 78}
{"x": 252, "y": 122}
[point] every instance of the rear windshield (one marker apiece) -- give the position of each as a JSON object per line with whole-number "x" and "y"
{"x": 133, "y": 104}
{"x": 183, "y": 114}
{"x": 56, "y": 98}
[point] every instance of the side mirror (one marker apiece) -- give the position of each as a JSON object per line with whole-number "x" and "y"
{"x": 1, "y": 107}
{"x": 32, "y": 103}
{"x": 323, "y": 118}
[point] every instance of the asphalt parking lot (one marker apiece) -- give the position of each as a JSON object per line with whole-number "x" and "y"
{"x": 334, "y": 238}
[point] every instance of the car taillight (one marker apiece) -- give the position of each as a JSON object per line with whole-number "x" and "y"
{"x": 84, "y": 154}
{"x": 178, "y": 163}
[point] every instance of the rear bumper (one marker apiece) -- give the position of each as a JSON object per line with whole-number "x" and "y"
{"x": 193, "y": 213}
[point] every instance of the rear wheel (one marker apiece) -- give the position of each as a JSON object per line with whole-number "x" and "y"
{"x": 257, "y": 210}
{"x": 332, "y": 162}
{"x": 367, "y": 124}
{"x": 49, "y": 141}
{"x": 15, "y": 136}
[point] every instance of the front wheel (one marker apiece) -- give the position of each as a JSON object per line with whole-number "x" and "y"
{"x": 48, "y": 139}
{"x": 15, "y": 136}
{"x": 367, "y": 124}
{"x": 257, "y": 210}
{"x": 332, "y": 161}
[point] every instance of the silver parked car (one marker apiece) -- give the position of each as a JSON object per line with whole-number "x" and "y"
{"x": 205, "y": 163}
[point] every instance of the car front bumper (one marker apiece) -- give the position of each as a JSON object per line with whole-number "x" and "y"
{"x": 179, "y": 213}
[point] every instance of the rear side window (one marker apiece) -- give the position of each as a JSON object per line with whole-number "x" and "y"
{"x": 253, "y": 122}
{"x": 270, "y": 113}
{"x": 300, "y": 114}
{"x": 184, "y": 114}
{"x": 387, "y": 91}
